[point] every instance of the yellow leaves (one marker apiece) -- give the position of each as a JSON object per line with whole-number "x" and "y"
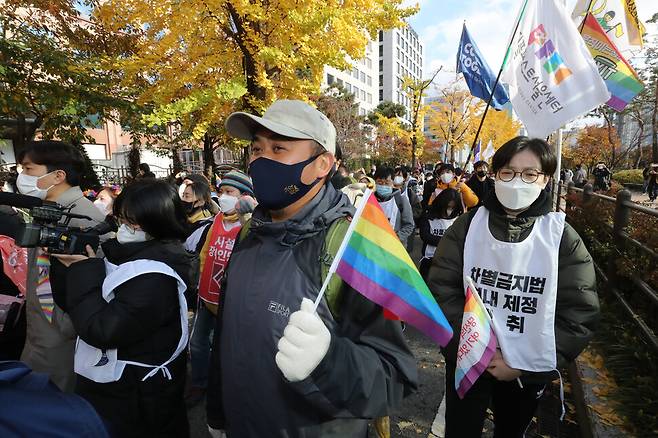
{"x": 603, "y": 386}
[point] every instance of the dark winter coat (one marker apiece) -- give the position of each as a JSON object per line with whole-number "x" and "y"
{"x": 366, "y": 372}
{"x": 143, "y": 323}
{"x": 577, "y": 307}
{"x": 481, "y": 188}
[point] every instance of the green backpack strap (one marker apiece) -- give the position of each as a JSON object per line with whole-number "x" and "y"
{"x": 244, "y": 230}
{"x": 332, "y": 242}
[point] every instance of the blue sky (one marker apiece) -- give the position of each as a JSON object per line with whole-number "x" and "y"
{"x": 439, "y": 24}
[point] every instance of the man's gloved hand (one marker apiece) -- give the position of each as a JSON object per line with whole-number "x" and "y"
{"x": 304, "y": 343}
{"x": 216, "y": 433}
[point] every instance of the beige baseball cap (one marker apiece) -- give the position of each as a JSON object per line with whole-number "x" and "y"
{"x": 289, "y": 118}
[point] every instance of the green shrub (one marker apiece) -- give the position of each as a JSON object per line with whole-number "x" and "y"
{"x": 631, "y": 176}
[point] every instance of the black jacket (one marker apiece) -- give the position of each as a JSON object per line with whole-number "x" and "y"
{"x": 366, "y": 372}
{"x": 577, "y": 305}
{"x": 481, "y": 188}
{"x": 143, "y": 323}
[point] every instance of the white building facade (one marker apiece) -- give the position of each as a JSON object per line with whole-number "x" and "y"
{"x": 401, "y": 53}
{"x": 361, "y": 80}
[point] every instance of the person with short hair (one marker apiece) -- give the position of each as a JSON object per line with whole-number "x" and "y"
{"x": 535, "y": 277}
{"x": 130, "y": 314}
{"x": 395, "y": 206}
{"x": 279, "y": 368}
{"x": 446, "y": 178}
{"x": 144, "y": 171}
{"x": 197, "y": 202}
{"x": 51, "y": 172}
{"x": 480, "y": 182}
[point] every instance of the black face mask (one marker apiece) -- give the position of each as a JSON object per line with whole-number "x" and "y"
{"x": 278, "y": 185}
{"x": 481, "y": 173}
{"x": 188, "y": 206}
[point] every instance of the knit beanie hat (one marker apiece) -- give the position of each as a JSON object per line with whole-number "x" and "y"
{"x": 239, "y": 180}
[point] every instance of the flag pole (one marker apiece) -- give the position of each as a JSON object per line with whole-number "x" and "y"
{"x": 493, "y": 89}
{"x": 589, "y": 8}
{"x": 341, "y": 248}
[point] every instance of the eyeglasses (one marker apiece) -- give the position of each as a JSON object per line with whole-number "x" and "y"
{"x": 528, "y": 176}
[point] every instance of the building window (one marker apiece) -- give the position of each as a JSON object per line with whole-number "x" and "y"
{"x": 381, "y": 80}
{"x": 381, "y": 95}
{"x": 381, "y": 65}
{"x": 330, "y": 79}
{"x": 355, "y": 90}
{"x": 381, "y": 50}
{"x": 398, "y": 67}
{"x": 369, "y": 97}
{"x": 362, "y": 76}
{"x": 363, "y": 95}
{"x": 398, "y": 37}
{"x": 421, "y": 50}
{"x": 398, "y": 52}
{"x": 339, "y": 82}
{"x": 381, "y": 36}
{"x": 369, "y": 63}
{"x": 348, "y": 87}
{"x": 355, "y": 73}
{"x": 369, "y": 82}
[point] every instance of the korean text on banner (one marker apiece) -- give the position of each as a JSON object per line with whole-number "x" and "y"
{"x": 551, "y": 75}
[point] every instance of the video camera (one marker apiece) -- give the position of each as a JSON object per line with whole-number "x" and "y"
{"x": 47, "y": 231}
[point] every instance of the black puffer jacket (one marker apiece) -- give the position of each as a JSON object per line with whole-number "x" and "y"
{"x": 366, "y": 372}
{"x": 143, "y": 323}
{"x": 577, "y": 306}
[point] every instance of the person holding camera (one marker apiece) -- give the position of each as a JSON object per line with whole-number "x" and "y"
{"x": 51, "y": 172}
{"x": 130, "y": 313}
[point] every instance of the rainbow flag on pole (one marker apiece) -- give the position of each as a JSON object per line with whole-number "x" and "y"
{"x": 374, "y": 262}
{"x": 620, "y": 78}
{"x": 477, "y": 341}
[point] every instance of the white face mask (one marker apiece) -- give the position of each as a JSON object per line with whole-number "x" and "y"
{"x": 102, "y": 206}
{"x": 227, "y": 203}
{"x": 447, "y": 177}
{"x": 27, "y": 185}
{"x": 398, "y": 180}
{"x": 449, "y": 211}
{"x": 181, "y": 190}
{"x": 515, "y": 194}
{"x": 126, "y": 234}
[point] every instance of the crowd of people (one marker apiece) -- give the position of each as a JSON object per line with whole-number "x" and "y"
{"x": 245, "y": 258}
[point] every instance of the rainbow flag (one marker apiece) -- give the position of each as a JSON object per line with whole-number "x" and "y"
{"x": 477, "y": 342}
{"x": 620, "y": 78}
{"x": 374, "y": 262}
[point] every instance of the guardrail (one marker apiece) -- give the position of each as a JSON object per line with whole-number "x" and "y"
{"x": 618, "y": 283}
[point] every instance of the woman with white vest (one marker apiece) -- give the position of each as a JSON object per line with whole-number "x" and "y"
{"x": 131, "y": 316}
{"x": 535, "y": 277}
{"x": 445, "y": 209}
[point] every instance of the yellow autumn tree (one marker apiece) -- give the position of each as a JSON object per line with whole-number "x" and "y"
{"x": 275, "y": 49}
{"x": 393, "y": 140}
{"x": 498, "y": 127}
{"x": 454, "y": 117}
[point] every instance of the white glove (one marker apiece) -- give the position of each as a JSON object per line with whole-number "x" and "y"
{"x": 216, "y": 433}
{"x": 304, "y": 343}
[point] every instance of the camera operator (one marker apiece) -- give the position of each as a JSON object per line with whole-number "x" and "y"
{"x": 51, "y": 172}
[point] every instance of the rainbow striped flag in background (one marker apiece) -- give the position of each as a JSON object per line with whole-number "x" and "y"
{"x": 620, "y": 78}
{"x": 477, "y": 341}
{"x": 374, "y": 262}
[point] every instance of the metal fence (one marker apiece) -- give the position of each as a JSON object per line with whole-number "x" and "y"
{"x": 636, "y": 298}
{"x": 121, "y": 175}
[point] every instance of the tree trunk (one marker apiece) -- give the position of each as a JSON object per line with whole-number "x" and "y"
{"x": 654, "y": 125}
{"x": 639, "y": 143}
{"x": 175, "y": 160}
{"x": 208, "y": 156}
{"x": 134, "y": 158}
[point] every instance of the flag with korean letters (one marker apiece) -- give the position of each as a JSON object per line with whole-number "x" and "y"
{"x": 551, "y": 75}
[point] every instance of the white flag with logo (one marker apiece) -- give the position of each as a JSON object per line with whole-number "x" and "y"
{"x": 551, "y": 75}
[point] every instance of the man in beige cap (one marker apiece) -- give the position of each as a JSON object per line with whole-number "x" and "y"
{"x": 278, "y": 368}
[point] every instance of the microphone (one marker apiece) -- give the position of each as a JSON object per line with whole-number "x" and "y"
{"x": 20, "y": 201}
